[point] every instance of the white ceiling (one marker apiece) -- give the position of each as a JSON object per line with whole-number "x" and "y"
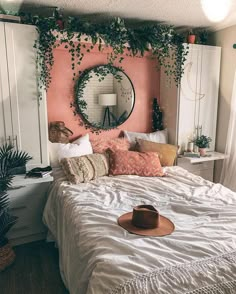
{"x": 177, "y": 12}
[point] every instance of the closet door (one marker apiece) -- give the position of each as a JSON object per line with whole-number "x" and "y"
{"x": 189, "y": 96}
{"x": 29, "y": 117}
{"x": 210, "y": 70}
{"x": 5, "y": 103}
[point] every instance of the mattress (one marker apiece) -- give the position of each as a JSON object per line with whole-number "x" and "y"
{"x": 98, "y": 256}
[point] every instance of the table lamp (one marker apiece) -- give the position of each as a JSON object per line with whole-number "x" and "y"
{"x": 107, "y": 100}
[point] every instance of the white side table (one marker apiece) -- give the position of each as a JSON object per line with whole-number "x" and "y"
{"x": 27, "y": 200}
{"x": 203, "y": 166}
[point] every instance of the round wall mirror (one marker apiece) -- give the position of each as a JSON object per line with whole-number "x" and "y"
{"x": 104, "y": 97}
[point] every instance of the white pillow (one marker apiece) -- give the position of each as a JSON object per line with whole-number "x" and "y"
{"x": 82, "y": 139}
{"x": 79, "y": 147}
{"x": 158, "y": 136}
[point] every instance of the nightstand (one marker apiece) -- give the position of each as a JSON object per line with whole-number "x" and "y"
{"x": 27, "y": 200}
{"x": 203, "y": 166}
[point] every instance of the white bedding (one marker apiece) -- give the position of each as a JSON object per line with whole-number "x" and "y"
{"x": 97, "y": 256}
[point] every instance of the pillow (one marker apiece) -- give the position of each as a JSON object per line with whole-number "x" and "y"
{"x": 82, "y": 139}
{"x": 79, "y": 147}
{"x": 85, "y": 168}
{"x": 102, "y": 145}
{"x": 145, "y": 164}
{"x": 72, "y": 150}
{"x": 166, "y": 152}
{"x": 158, "y": 136}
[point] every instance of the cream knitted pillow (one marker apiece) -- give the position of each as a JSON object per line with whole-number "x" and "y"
{"x": 85, "y": 168}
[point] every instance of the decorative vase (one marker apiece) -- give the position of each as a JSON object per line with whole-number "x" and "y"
{"x": 7, "y": 256}
{"x": 191, "y": 39}
{"x": 202, "y": 151}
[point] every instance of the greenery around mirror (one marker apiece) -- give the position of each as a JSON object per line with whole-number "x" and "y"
{"x": 80, "y": 105}
{"x": 163, "y": 41}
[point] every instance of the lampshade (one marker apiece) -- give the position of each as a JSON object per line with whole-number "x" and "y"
{"x": 107, "y": 99}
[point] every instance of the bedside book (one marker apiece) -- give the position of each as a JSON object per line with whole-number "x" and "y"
{"x": 38, "y": 174}
{"x": 192, "y": 154}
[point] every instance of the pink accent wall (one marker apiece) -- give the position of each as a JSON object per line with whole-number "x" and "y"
{"x": 141, "y": 71}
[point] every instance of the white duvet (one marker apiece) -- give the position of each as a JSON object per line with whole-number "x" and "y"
{"x": 97, "y": 256}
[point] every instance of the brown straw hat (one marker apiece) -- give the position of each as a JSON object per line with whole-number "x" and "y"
{"x": 145, "y": 220}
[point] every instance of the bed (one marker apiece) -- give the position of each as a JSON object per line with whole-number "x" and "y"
{"x": 97, "y": 256}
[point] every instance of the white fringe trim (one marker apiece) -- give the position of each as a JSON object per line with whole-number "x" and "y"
{"x": 214, "y": 275}
{"x": 222, "y": 288}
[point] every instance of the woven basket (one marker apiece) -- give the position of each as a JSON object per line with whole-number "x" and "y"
{"x": 7, "y": 256}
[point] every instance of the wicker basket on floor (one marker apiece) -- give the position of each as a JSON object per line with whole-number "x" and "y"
{"x": 7, "y": 256}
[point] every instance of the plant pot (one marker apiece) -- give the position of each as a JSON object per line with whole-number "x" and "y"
{"x": 191, "y": 39}
{"x": 60, "y": 24}
{"x": 202, "y": 151}
{"x": 7, "y": 256}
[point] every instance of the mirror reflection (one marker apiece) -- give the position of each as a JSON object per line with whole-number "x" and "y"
{"x": 105, "y": 96}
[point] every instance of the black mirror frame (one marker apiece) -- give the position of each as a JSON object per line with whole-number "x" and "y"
{"x": 80, "y": 104}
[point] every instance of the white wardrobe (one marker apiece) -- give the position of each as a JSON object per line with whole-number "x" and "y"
{"x": 191, "y": 108}
{"x": 193, "y": 105}
{"x": 23, "y": 117}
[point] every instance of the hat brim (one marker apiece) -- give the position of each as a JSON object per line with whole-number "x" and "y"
{"x": 166, "y": 227}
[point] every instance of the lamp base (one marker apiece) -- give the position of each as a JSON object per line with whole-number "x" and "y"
{"x": 106, "y": 116}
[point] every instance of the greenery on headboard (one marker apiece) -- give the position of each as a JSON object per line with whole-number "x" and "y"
{"x": 163, "y": 41}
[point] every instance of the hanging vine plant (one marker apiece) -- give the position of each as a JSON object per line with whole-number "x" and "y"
{"x": 79, "y": 37}
{"x": 164, "y": 43}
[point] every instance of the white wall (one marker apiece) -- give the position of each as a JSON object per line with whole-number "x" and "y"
{"x": 224, "y": 38}
{"x": 92, "y": 90}
{"x": 125, "y": 95}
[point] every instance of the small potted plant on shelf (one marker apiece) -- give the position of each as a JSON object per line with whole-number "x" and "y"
{"x": 191, "y": 37}
{"x": 9, "y": 159}
{"x": 202, "y": 142}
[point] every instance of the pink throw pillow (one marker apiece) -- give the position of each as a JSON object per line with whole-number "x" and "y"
{"x": 102, "y": 145}
{"x": 146, "y": 164}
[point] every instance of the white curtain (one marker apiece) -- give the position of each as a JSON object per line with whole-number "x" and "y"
{"x": 228, "y": 176}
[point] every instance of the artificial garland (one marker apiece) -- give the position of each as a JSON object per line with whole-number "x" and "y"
{"x": 163, "y": 41}
{"x": 80, "y": 105}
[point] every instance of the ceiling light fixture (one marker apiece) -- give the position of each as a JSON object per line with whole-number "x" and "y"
{"x": 216, "y": 10}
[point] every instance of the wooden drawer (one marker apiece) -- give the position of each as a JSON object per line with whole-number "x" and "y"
{"x": 185, "y": 163}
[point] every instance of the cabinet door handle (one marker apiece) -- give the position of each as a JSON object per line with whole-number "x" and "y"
{"x": 16, "y": 142}
{"x": 18, "y": 208}
{"x": 16, "y": 187}
{"x": 9, "y": 139}
{"x": 19, "y": 228}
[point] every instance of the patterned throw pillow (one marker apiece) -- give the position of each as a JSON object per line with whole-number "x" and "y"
{"x": 85, "y": 168}
{"x": 102, "y": 145}
{"x": 167, "y": 153}
{"x": 146, "y": 164}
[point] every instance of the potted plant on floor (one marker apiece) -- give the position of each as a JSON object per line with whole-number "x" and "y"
{"x": 202, "y": 142}
{"x": 9, "y": 159}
